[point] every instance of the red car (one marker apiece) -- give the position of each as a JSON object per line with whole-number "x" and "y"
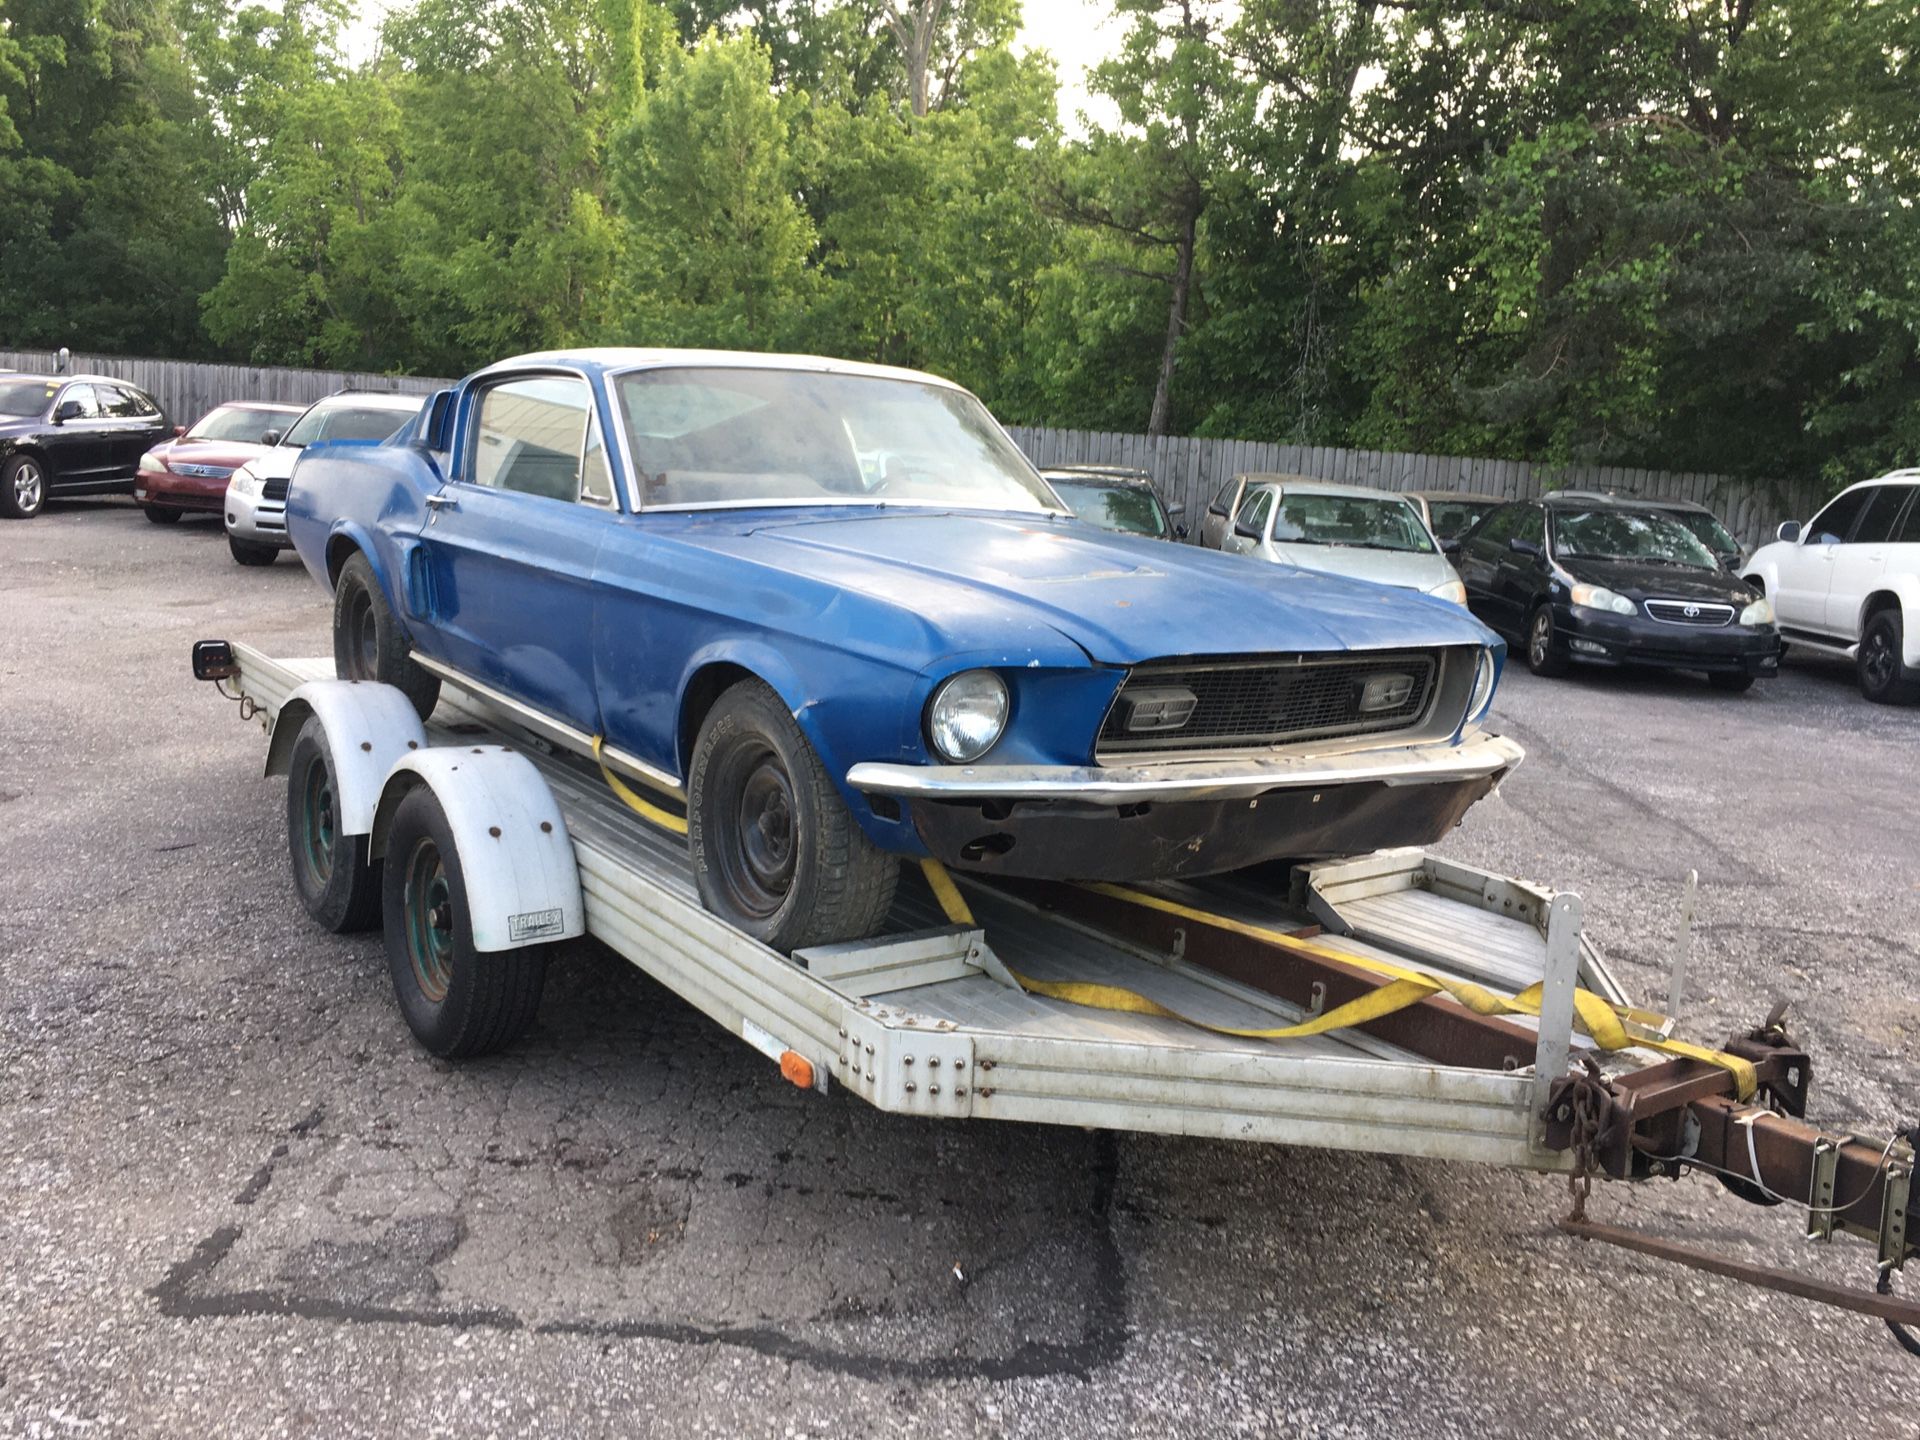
{"x": 191, "y": 472}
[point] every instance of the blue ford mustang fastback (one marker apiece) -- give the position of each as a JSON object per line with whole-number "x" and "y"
{"x": 832, "y": 610}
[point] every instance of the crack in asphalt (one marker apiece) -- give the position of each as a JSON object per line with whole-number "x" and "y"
{"x": 1102, "y": 1342}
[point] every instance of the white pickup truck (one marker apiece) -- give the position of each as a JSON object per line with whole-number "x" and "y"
{"x": 1848, "y": 582}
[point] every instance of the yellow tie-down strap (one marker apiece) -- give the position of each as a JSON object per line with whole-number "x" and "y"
{"x": 636, "y": 802}
{"x": 1611, "y": 1027}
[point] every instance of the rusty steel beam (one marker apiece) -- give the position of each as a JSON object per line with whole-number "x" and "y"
{"x": 1435, "y": 1029}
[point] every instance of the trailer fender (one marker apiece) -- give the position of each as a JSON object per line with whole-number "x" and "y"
{"x": 369, "y": 727}
{"x": 522, "y": 883}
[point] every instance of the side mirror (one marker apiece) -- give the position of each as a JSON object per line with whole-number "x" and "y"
{"x": 1244, "y": 531}
{"x": 1177, "y": 508}
{"x": 1219, "y": 510}
{"x": 1525, "y": 547}
{"x": 1789, "y": 531}
{"x": 272, "y": 437}
{"x": 436, "y": 429}
{"x": 179, "y": 432}
{"x": 1450, "y": 546}
{"x": 68, "y": 410}
{"x": 1179, "y": 532}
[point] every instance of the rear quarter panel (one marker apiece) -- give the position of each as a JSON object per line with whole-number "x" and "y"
{"x": 370, "y": 496}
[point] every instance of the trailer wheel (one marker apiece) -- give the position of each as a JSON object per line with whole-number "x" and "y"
{"x": 775, "y": 849}
{"x": 368, "y": 643}
{"x": 330, "y": 870}
{"x": 458, "y": 1002}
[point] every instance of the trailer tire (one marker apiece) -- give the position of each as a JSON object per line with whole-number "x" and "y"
{"x": 336, "y": 884}
{"x": 368, "y": 642}
{"x": 776, "y": 852}
{"x": 458, "y": 1002}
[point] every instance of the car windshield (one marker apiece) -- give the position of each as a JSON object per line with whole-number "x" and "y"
{"x": 1708, "y": 531}
{"x": 345, "y": 422}
{"x": 1455, "y": 517}
{"x": 1642, "y": 537}
{"x": 1113, "y": 507}
{"x": 1351, "y": 520}
{"x": 238, "y": 423}
{"x": 741, "y": 436}
{"x": 26, "y": 398}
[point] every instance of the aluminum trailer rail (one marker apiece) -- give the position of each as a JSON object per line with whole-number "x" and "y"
{"x": 928, "y": 1019}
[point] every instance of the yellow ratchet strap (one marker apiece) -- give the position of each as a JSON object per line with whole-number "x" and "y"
{"x": 1605, "y": 1022}
{"x": 637, "y": 803}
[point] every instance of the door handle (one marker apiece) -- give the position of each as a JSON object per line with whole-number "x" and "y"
{"x": 442, "y": 502}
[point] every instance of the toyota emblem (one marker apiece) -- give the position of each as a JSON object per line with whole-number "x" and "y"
{"x": 1692, "y": 612}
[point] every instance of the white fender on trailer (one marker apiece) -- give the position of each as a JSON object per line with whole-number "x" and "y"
{"x": 369, "y": 727}
{"x": 523, "y": 886}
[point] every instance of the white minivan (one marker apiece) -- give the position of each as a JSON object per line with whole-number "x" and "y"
{"x": 1848, "y": 582}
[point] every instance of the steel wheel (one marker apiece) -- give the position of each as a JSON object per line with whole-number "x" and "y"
{"x": 758, "y": 841}
{"x": 316, "y": 832}
{"x": 428, "y": 902}
{"x": 362, "y": 636}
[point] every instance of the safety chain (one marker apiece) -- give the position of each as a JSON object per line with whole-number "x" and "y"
{"x": 1590, "y": 1101}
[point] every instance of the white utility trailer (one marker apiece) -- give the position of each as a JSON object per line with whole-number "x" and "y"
{"x": 998, "y": 1002}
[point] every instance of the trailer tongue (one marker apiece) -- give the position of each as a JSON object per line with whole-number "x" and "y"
{"x": 1394, "y": 1003}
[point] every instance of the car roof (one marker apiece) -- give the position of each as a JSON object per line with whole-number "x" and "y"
{"x": 1307, "y": 485}
{"x": 373, "y": 399}
{"x": 1477, "y": 497}
{"x": 1116, "y": 474}
{"x": 1649, "y": 502}
{"x": 291, "y": 407}
{"x": 608, "y": 358}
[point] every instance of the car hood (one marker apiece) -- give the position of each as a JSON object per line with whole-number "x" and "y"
{"x": 1637, "y": 581}
{"x": 1407, "y": 568}
{"x": 1121, "y": 598}
{"x": 13, "y": 426}
{"x": 274, "y": 462}
{"x": 231, "y": 454}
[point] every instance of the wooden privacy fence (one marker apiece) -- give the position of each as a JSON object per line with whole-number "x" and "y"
{"x": 1186, "y": 471}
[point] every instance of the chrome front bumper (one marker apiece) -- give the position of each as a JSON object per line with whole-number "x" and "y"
{"x": 1243, "y": 777}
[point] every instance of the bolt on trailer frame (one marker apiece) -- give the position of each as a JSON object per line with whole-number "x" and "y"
{"x": 949, "y": 1017}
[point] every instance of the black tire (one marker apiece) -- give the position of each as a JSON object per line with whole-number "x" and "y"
{"x": 159, "y": 515}
{"x": 775, "y": 850}
{"x": 458, "y": 1002}
{"x": 339, "y": 888}
{"x": 1884, "y": 676}
{"x": 1731, "y": 684}
{"x": 368, "y": 643}
{"x": 1542, "y": 659}
{"x": 248, "y": 552}
{"x": 23, "y": 487}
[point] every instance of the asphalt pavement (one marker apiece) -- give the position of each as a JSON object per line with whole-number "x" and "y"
{"x": 235, "y": 1199}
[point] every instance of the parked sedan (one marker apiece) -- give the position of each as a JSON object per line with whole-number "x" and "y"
{"x": 256, "y": 498}
{"x": 1114, "y": 497}
{"x": 191, "y": 473}
{"x": 70, "y": 435}
{"x": 1341, "y": 530}
{"x": 833, "y": 611}
{"x": 1610, "y": 582}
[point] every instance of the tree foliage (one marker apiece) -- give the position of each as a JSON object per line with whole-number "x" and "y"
{"x": 1681, "y": 235}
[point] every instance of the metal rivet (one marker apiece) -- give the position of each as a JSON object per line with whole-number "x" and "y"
{"x": 869, "y": 1049}
{"x": 546, "y": 827}
{"x": 959, "y": 1064}
{"x": 909, "y": 1060}
{"x": 869, "y": 1074}
{"x": 986, "y": 1064}
{"x": 909, "y": 1087}
{"x": 494, "y": 831}
{"x": 959, "y": 1090}
{"x": 986, "y": 1092}
{"x": 413, "y": 744}
{"x": 366, "y": 745}
{"x": 934, "y": 1060}
{"x": 843, "y": 1034}
{"x": 933, "y": 1089}
{"x": 840, "y": 1060}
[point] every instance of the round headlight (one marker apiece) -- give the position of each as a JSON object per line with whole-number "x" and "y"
{"x": 1482, "y": 686}
{"x": 1760, "y": 612}
{"x": 967, "y": 715}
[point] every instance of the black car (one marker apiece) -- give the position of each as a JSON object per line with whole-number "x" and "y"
{"x": 1114, "y": 497}
{"x": 1612, "y": 582}
{"x": 1704, "y": 524}
{"x": 71, "y": 435}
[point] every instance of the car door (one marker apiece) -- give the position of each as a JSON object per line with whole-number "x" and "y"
{"x": 1217, "y": 525}
{"x": 130, "y": 424}
{"x": 1255, "y": 514}
{"x": 1481, "y": 555}
{"x": 510, "y": 542}
{"x": 1806, "y": 571}
{"x": 1860, "y": 561}
{"x": 78, "y": 445}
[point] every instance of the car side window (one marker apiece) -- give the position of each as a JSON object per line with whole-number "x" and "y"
{"x": 1253, "y": 514}
{"x": 1876, "y": 522}
{"x": 1531, "y": 525}
{"x": 83, "y": 396}
{"x": 118, "y": 404}
{"x": 530, "y": 435}
{"x": 596, "y": 480}
{"x": 1497, "y": 529}
{"x": 1909, "y": 531}
{"x": 1832, "y": 525}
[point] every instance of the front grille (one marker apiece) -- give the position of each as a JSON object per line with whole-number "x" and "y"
{"x": 1690, "y": 612}
{"x": 204, "y": 472}
{"x": 274, "y": 489}
{"x": 1273, "y": 700}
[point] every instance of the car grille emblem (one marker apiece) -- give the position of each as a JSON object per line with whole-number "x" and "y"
{"x": 1158, "y": 709}
{"x": 1692, "y": 612}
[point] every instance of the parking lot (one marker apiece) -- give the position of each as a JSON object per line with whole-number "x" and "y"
{"x": 237, "y": 1199}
